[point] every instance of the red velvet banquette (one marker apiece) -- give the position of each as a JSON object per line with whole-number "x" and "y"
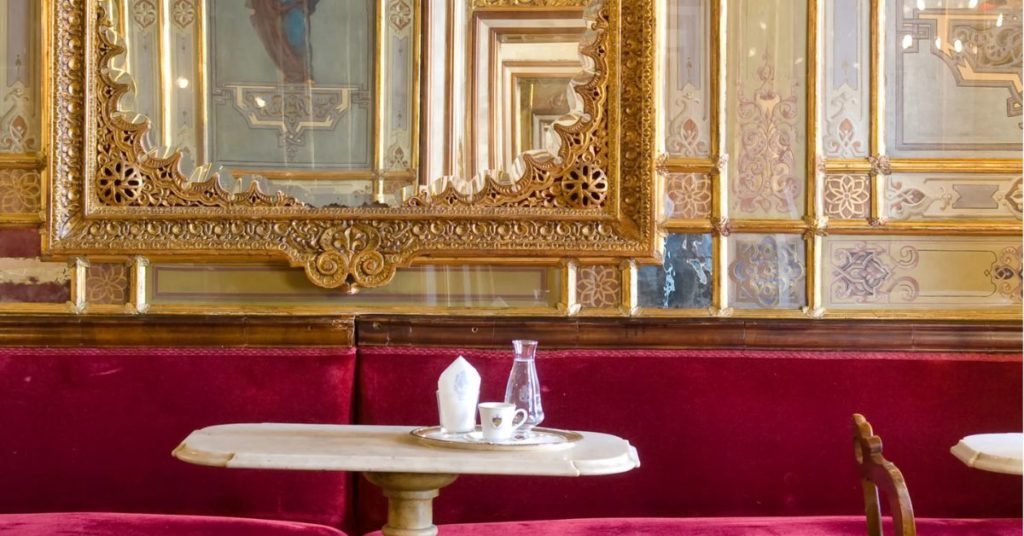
{"x": 732, "y": 442}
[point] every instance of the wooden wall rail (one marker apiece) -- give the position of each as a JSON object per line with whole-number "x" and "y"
{"x": 154, "y": 330}
{"x": 896, "y": 335}
{"x": 496, "y": 332}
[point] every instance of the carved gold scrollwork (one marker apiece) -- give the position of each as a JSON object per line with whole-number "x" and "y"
{"x": 593, "y": 197}
{"x": 350, "y": 259}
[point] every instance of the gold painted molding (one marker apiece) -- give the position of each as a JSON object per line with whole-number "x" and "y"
{"x": 110, "y": 197}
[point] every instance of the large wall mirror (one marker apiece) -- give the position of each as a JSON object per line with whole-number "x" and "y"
{"x": 351, "y": 136}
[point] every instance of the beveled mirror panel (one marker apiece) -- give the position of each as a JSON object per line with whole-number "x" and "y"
{"x": 350, "y": 137}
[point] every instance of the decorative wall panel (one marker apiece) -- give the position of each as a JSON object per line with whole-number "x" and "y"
{"x": 907, "y": 272}
{"x": 19, "y": 76}
{"x": 599, "y": 287}
{"x": 767, "y": 271}
{"x": 953, "y": 78}
{"x": 683, "y": 281}
{"x": 107, "y": 284}
{"x": 20, "y": 192}
{"x": 417, "y": 288}
{"x": 845, "y": 73}
{"x": 847, "y": 197}
{"x": 951, "y": 89}
{"x": 686, "y": 93}
{"x": 949, "y": 196}
{"x": 766, "y": 108}
{"x": 687, "y": 196}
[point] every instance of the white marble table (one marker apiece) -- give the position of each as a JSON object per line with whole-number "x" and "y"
{"x": 999, "y": 453}
{"x": 409, "y": 473}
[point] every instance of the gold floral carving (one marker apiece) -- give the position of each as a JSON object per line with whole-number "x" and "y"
{"x": 111, "y": 195}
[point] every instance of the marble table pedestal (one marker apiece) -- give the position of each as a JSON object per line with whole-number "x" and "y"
{"x": 410, "y": 501}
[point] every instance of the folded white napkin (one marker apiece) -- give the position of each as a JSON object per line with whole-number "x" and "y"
{"x": 458, "y": 391}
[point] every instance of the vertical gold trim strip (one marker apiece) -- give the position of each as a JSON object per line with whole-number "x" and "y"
{"x": 202, "y": 86}
{"x": 812, "y": 143}
{"x": 716, "y": 55}
{"x": 630, "y": 299}
{"x": 166, "y": 90}
{"x": 720, "y": 156}
{"x": 138, "y": 281}
{"x": 876, "y": 140}
{"x": 414, "y": 95}
{"x": 660, "y": 82}
{"x": 815, "y": 305}
{"x": 567, "y": 302}
{"x": 79, "y": 271}
{"x": 380, "y": 49}
{"x": 45, "y": 94}
{"x": 449, "y": 88}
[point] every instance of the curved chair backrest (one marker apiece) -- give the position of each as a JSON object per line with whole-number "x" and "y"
{"x": 877, "y": 473}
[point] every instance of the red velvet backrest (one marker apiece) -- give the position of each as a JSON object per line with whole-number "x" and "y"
{"x": 723, "y": 432}
{"x": 93, "y": 429}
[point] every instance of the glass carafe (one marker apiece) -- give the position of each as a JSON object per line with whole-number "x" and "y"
{"x": 523, "y": 388}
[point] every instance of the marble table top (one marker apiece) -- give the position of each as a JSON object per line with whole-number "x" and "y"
{"x": 999, "y": 453}
{"x": 390, "y": 449}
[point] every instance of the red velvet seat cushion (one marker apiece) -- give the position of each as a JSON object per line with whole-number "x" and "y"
{"x": 106, "y": 524}
{"x": 722, "y": 432}
{"x": 725, "y": 526}
{"x": 93, "y": 429}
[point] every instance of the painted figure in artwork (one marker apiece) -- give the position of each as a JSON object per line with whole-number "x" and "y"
{"x": 283, "y": 26}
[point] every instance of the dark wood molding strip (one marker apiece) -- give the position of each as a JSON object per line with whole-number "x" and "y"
{"x": 176, "y": 330}
{"x": 863, "y": 335}
{"x": 496, "y": 332}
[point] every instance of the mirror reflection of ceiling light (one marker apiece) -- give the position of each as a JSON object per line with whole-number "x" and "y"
{"x": 908, "y": 41}
{"x": 260, "y": 102}
{"x": 182, "y": 82}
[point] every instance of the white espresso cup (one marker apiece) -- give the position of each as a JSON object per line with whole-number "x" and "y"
{"x": 498, "y": 420}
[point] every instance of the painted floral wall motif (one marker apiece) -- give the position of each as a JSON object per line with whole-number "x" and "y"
{"x": 767, "y": 271}
{"x": 683, "y": 281}
{"x": 847, "y": 197}
{"x": 599, "y": 287}
{"x": 20, "y": 191}
{"x": 765, "y": 108}
{"x": 107, "y": 284}
{"x": 687, "y": 196}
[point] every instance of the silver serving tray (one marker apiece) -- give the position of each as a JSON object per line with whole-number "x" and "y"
{"x": 535, "y": 439}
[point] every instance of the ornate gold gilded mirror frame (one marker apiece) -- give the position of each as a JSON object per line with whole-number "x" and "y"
{"x": 109, "y": 195}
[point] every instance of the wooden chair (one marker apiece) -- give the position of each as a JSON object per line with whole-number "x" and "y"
{"x": 878, "y": 473}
